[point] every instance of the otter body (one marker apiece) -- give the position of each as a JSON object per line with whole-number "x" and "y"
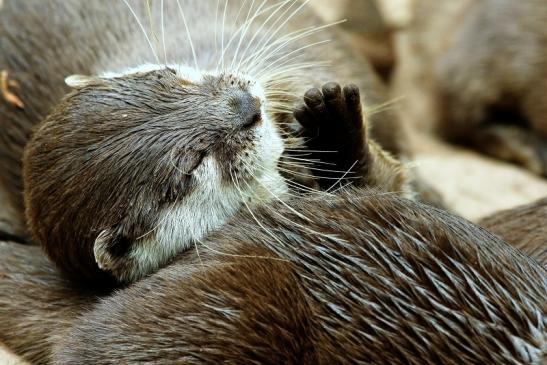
{"x": 523, "y": 227}
{"x": 476, "y": 69}
{"x": 160, "y": 143}
{"x": 360, "y": 277}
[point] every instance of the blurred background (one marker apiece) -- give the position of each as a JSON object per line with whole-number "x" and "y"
{"x": 441, "y": 58}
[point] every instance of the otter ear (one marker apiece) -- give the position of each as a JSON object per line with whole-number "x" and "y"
{"x": 79, "y": 81}
{"x": 110, "y": 250}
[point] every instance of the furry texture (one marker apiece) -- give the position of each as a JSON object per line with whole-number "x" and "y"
{"x": 120, "y": 156}
{"x": 523, "y": 227}
{"x": 357, "y": 278}
{"x": 476, "y": 70}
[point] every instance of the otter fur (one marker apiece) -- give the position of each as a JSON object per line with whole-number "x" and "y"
{"x": 361, "y": 277}
{"x": 523, "y": 227}
{"x": 146, "y": 156}
{"x": 476, "y": 71}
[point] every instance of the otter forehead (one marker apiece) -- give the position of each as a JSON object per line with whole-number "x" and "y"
{"x": 188, "y": 74}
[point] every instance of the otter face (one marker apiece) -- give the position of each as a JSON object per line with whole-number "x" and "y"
{"x": 142, "y": 165}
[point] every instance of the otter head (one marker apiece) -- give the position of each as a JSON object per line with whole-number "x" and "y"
{"x": 130, "y": 169}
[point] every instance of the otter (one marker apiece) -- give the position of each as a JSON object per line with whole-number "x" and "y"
{"x": 523, "y": 227}
{"x": 477, "y": 69}
{"x": 357, "y": 277}
{"x": 136, "y": 165}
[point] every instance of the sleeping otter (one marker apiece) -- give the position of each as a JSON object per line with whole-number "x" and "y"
{"x": 142, "y": 160}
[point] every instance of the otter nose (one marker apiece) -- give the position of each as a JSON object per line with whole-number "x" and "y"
{"x": 247, "y": 109}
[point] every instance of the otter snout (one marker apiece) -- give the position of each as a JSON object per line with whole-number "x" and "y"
{"x": 247, "y": 109}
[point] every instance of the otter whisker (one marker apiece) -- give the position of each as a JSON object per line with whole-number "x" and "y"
{"x": 243, "y": 199}
{"x": 259, "y": 30}
{"x": 240, "y": 30}
{"x": 306, "y": 151}
{"x": 343, "y": 176}
{"x": 292, "y": 69}
{"x": 272, "y": 193}
{"x": 188, "y": 35}
{"x": 234, "y": 34}
{"x": 271, "y": 33}
{"x": 378, "y": 108}
{"x": 297, "y": 213}
{"x": 286, "y": 67}
{"x": 300, "y": 187}
{"x": 283, "y": 40}
{"x": 222, "y": 35}
{"x": 314, "y": 161}
{"x": 197, "y": 253}
{"x": 295, "y": 184}
{"x": 291, "y": 37}
{"x": 142, "y": 29}
{"x": 163, "y": 33}
{"x": 150, "y": 20}
{"x": 340, "y": 188}
{"x": 216, "y": 27}
{"x": 268, "y": 172}
{"x": 314, "y": 168}
{"x": 246, "y": 25}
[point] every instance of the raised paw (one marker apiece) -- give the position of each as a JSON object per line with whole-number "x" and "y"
{"x": 334, "y": 133}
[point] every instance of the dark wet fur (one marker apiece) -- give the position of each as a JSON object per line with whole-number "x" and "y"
{"x": 387, "y": 280}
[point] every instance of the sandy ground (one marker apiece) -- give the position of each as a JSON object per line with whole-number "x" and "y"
{"x": 474, "y": 185}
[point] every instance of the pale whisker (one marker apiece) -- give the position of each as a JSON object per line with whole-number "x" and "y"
{"x": 143, "y": 30}
{"x": 188, "y": 35}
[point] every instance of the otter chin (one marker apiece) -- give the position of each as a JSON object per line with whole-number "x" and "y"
{"x": 129, "y": 168}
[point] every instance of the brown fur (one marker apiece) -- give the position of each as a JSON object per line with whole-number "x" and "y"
{"x": 27, "y": 276}
{"x": 386, "y": 281}
{"x": 114, "y": 154}
{"x": 523, "y": 227}
{"x": 110, "y": 157}
{"x": 92, "y": 37}
{"x": 473, "y": 66}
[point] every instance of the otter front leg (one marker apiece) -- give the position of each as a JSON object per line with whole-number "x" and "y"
{"x": 336, "y": 134}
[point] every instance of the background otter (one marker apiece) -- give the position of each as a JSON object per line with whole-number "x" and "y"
{"x": 368, "y": 278}
{"x": 523, "y": 227}
{"x": 131, "y": 128}
{"x": 474, "y": 71}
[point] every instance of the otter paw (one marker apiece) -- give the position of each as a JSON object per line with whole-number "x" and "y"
{"x": 334, "y": 132}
